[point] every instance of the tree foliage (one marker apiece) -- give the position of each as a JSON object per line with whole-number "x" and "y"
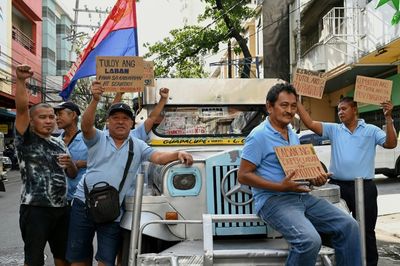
{"x": 180, "y": 55}
{"x": 396, "y": 5}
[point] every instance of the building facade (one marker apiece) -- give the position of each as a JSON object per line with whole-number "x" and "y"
{"x": 5, "y": 53}
{"x": 56, "y": 49}
{"x": 343, "y": 39}
{"x": 230, "y": 64}
{"x": 20, "y": 43}
{"x": 27, "y": 42}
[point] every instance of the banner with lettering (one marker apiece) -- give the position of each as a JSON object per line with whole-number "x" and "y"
{"x": 372, "y": 90}
{"x": 309, "y": 83}
{"x": 116, "y": 37}
{"x": 148, "y": 75}
{"x": 299, "y": 158}
{"x": 120, "y": 73}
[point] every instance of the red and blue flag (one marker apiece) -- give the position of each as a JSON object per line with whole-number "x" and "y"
{"x": 116, "y": 37}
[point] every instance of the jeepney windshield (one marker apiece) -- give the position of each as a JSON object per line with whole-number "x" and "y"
{"x": 209, "y": 120}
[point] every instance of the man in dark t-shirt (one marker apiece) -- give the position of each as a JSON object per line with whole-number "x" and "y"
{"x": 44, "y": 164}
{"x": 43, "y": 179}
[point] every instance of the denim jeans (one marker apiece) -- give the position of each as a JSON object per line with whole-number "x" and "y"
{"x": 299, "y": 218}
{"x": 81, "y": 233}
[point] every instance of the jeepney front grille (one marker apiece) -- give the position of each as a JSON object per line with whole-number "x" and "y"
{"x": 222, "y": 206}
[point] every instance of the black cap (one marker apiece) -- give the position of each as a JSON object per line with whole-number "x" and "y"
{"x": 120, "y": 107}
{"x": 68, "y": 105}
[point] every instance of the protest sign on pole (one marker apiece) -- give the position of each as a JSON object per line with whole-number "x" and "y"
{"x": 120, "y": 73}
{"x": 309, "y": 83}
{"x": 299, "y": 158}
{"x": 372, "y": 90}
{"x": 148, "y": 75}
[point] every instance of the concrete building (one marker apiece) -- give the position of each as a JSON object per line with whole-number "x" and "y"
{"x": 5, "y": 53}
{"x": 20, "y": 43}
{"x": 27, "y": 42}
{"x": 56, "y": 49}
{"x": 230, "y": 64}
{"x": 341, "y": 38}
{"x": 345, "y": 38}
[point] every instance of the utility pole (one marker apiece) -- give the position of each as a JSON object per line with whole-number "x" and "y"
{"x": 229, "y": 59}
{"x": 75, "y": 18}
{"x": 74, "y": 32}
{"x": 298, "y": 40}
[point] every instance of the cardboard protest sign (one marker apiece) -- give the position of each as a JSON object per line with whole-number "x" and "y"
{"x": 148, "y": 74}
{"x": 372, "y": 90}
{"x": 299, "y": 158}
{"x": 120, "y": 73}
{"x": 309, "y": 83}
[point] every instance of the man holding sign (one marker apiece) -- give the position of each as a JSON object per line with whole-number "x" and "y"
{"x": 285, "y": 204}
{"x": 352, "y": 155}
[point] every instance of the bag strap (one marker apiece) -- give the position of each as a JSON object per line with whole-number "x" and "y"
{"x": 128, "y": 163}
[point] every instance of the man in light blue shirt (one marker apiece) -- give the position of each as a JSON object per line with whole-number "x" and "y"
{"x": 107, "y": 156}
{"x": 286, "y": 205}
{"x": 67, "y": 119}
{"x": 142, "y": 130}
{"x": 353, "y": 146}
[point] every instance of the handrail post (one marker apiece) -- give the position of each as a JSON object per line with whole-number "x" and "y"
{"x": 136, "y": 220}
{"x": 360, "y": 215}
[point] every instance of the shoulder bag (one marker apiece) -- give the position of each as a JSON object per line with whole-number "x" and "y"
{"x": 102, "y": 201}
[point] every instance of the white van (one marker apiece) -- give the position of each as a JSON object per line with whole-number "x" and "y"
{"x": 387, "y": 161}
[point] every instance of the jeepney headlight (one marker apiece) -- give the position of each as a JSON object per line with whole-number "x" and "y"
{"x": 184, "y": 181}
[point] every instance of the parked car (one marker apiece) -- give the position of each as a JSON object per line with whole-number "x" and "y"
{"x": 10, "y": 153}
{"x": 7, "y": 164}
{"x": 387, "y": 161}
{"x": 322, "y": 146}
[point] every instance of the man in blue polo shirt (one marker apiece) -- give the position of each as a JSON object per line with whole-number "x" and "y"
{"x": 67, "y": 119}
{"x": 107, "y": 156}
{"x": 286, "y": 205}
{"x": 142, "y": 131}
{"x": 353, "y": 145}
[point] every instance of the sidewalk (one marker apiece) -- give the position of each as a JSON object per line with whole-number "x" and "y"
{"x": 13, "y": 176}
{"x": 388, "y": 228}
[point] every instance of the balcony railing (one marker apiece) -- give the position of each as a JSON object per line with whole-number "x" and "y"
{"x": 23, "y": 39}
{"x": 335, "y": 23}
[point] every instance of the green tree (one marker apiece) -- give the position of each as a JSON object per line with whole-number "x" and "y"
{"x": 181, "y": 54}
{"x": 395, "y": 5}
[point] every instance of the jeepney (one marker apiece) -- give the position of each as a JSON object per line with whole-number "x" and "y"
{"x": 201, "y": 215}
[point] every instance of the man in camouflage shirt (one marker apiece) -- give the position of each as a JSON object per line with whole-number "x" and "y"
{"x": 44, "y": 163}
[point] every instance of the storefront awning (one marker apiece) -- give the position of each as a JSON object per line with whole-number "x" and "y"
{"x": 388, "y": 54}
{"x": 382, "y": 62}
{"x": 347, "y": 76}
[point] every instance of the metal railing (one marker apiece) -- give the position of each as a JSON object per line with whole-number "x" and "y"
{"x": 335, "y": 23}
{"x": 23, "y": 39}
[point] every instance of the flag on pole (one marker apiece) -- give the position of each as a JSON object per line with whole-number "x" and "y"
{"x": 116, "y": 37}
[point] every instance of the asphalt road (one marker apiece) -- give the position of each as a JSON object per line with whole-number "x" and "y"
{"x": 388, "y": 226}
